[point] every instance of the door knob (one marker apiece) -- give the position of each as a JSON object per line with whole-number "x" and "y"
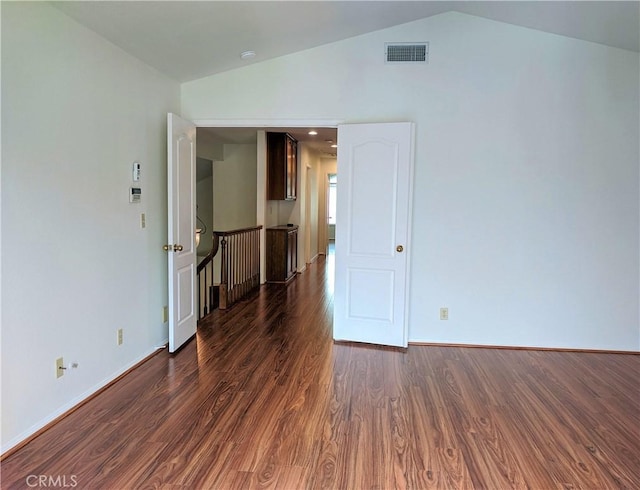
{"x": 178, "y": 248}
{"x": 167, "y": 248}
{"x": 399, "y": 248}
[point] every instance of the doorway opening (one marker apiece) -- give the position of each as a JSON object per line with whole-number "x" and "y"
{"x": 316, "y": 157}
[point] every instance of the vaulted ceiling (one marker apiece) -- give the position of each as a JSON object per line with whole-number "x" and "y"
{"x": 187, "y": 40}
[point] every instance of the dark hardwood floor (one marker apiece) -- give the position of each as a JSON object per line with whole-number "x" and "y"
{"x": 263, "y": 398}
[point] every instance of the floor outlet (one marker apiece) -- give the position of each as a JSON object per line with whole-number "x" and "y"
{"x": 120, "y": 336}
{"x": 60, "y": 367}
{"x": 444, "y": 313}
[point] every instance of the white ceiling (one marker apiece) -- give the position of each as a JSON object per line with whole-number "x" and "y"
{"x": 187, "y": 40}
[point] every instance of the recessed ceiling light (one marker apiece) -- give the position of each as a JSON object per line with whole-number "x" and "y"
{"x": 313, "y": 133}
{"x": 334, "y": 146}
{"x": 247, "y": 55}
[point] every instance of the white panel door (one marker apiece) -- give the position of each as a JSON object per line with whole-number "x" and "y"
{"x": 181, "y": 237}
{"x": 375, "y": 173}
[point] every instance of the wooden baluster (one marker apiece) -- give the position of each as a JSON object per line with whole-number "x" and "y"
{"x": 199, "y": 314}
{"x": 232, "y": 257}
{"x": 232, "y": 270}
{"x": 223, "y": 273}
{"x": 238, "y": 266}
{"x": 253, "y": 246}
{"x": 235, "y": 268}
{"x": 211, "y": 287}
{"x": 202, "y": 294}
{"x": 247, "y": 258}
{"x": 256, "y": 258}
{"x": 230, "y": 254}
{"x": 241, "y": 264}
{"x": 202, "y": 302}
{"x": 253, "y": 252}
{"x": 244, "y": 264}
{"x": 207, "y": 299}
{"x": 253, "y": 260}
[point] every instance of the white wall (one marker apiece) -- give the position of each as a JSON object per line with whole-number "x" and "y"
{"x": 234, "y": 188}
{"x": 307, "y": 161}
{"x": 526, "y": 206}
{"x": 313, "y": 188}
{"x": 310, "y": 163}
{"x": 204, "y": 201}
{"x": 76, "y": 265}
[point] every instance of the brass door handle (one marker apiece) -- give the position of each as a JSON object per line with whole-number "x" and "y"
{"x": 177, "y": 248}
{"x": 399, "y": 248}
{"x": 167, "y": 248}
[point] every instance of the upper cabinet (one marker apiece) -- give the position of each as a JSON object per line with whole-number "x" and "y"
{"x": 282, "y": 164}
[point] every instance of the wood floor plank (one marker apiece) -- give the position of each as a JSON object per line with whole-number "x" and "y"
{"x": 263, "y": 398}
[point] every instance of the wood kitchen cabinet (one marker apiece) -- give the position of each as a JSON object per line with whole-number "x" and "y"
{"x": 282, "y": 253}
{"x": 282, "y": 165}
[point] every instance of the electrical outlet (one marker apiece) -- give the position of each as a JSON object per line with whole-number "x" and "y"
{"x": 60, "y": 367}
{"x": 120, "y": 336}
{"x": 444, "y": 313}
{"x": 165, "y": 314}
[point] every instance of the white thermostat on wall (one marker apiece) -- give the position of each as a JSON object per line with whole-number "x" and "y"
{"x": 137, "y": 167}
{"x": 135, "y": 194}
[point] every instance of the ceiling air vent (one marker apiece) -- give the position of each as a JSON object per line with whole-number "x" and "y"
{"x": 406, "y": 52}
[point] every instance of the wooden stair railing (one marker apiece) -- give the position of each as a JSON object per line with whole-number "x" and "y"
{"x": 207, "y": 291}
{"x": 240, "y": 264}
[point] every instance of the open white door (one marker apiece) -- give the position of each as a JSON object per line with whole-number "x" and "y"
{"x": 181, "y": 246}
{"x": 375, "y": 172}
